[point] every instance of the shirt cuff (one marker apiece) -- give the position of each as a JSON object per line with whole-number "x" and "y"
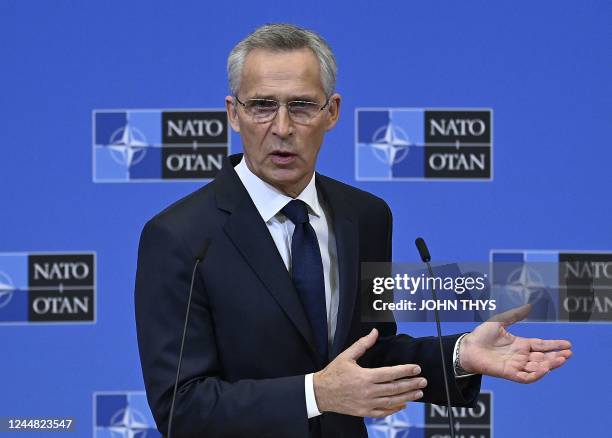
{"x": 459, "y": 373}
{"x": 311, "y": 402}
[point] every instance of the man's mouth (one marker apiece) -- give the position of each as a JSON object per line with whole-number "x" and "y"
{"x": 283, "y": 157}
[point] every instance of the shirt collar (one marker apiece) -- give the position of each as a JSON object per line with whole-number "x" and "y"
{"x": 268, "y": 199}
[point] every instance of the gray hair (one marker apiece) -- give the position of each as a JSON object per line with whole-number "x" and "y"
{"x": 280, "y": 38}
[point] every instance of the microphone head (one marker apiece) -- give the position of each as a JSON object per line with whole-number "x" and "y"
{"x": 422, "y": 248}
{"x": 200, "y": 256}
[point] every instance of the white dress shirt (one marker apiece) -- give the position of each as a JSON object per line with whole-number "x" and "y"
{"x": 269, "y": 202}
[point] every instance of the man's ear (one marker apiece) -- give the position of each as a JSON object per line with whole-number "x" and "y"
{"x": 232, "y": 113}
{"x": 333, "y": 110}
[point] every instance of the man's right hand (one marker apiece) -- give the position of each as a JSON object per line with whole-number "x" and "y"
{"x": 346, "y": 388}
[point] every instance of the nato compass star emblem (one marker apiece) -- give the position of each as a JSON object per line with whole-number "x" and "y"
{"x": 128, "y": 145}
{"x": 390, "y": 144}
{"x": 128, "y": 423}
{"x": 6, "y": 289}
{"x": 392, "y": 426}
{"x": 525, "y": 282}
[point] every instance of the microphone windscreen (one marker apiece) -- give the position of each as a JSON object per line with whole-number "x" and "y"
{"x": 422, "y": 248}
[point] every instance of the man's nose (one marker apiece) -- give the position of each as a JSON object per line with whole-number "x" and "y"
{"x": 282, "y": 125}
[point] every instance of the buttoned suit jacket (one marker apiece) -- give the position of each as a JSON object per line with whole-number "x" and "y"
{"x": 249, "y": 342}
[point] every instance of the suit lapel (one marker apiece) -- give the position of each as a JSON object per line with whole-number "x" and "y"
{"x": 249, "y": 233}
{"x": 347, "y": 246}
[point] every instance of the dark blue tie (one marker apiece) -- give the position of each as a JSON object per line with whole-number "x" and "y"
{"x": 307, "y": 273}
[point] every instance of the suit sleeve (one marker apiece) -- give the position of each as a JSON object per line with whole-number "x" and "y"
{"x": 394, "y": 349}
{"x": 206, "y": 404}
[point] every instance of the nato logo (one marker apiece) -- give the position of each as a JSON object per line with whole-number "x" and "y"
{"x": 469, "y": 422}
{"x": 158, "y": 145}
{"x": 123, "y": 414}
{"x": 565, "y": 286}
{"x": 398, "y": 425}
{"x": 426, "y": 420}
{"x": 47, "y": 288}
{"x": 412, "y": 144}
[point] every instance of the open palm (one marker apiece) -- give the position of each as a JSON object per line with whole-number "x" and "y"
{"x": 490, "y": 349}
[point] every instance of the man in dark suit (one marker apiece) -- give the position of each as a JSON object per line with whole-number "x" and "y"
{"x": 276, "y": 346}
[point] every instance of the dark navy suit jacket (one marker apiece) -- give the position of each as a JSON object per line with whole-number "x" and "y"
{"x": 249, "y": 343}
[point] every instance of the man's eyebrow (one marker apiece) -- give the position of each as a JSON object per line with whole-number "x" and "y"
{"x": 263, "y": 96}
{"x": 302, "y": 97}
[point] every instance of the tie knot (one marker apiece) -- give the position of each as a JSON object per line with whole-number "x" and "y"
{"x": 296, "y": 211}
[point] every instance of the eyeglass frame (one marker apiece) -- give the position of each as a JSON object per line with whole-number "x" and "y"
{"x": 280, "y": 104}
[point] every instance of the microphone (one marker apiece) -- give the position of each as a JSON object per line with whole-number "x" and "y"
{"x": 422, "y": 248}
{"x": 199, "y": 257}
{"x": 426, "y": 257}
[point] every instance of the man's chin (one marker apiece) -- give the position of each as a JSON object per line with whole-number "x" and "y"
{"x": 285, "y": 179}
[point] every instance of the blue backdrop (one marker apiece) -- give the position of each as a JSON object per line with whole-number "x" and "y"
{"x": 542, "y": 67}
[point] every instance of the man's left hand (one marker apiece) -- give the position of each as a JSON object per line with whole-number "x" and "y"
{"x": 490, "y": 349}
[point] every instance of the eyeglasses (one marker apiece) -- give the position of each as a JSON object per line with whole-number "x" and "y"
{"x": 264, "y": 110}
